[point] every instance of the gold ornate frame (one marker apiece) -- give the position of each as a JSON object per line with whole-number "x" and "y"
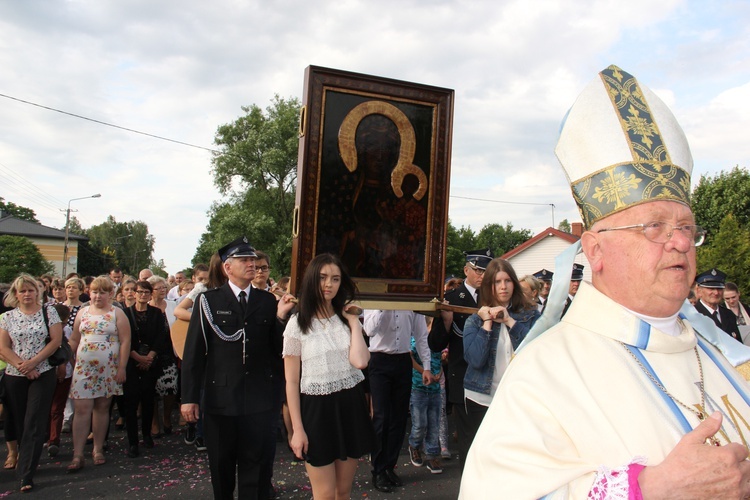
{"x": 372, "y": 182}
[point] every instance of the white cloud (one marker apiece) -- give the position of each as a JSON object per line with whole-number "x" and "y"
{"x": 181, "y": 69}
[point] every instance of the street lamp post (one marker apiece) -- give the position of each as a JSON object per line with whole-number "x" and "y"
{"x": 67, "y": 231}
{"x": 117, "y": 240}
{"x": 135, "y": 255}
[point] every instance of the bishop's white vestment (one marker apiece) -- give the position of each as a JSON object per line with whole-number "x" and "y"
{"x": 576, "y": 400}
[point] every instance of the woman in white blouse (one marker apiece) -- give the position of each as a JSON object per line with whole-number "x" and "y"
{"x": 324, "y": 354}
{"x": 29, "y": 378}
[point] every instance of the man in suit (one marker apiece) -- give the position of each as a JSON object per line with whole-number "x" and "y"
{"x": 711, "y": 294}
{"x": 546, "y": 278}
{"x": 262, "y": 269}
{"x": 448, "y": 331}
{"x": 235, "y": 332}
{"x": 575, "y": 282}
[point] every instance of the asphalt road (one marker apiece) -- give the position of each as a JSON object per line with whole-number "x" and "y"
{"x": 173, "y": 469}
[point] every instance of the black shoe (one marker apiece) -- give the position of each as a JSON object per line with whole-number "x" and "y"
{"x": 271, "y": 493}
{"x": 200, "y": 445}
{"x": 148, "y": 442}
{"x": 133, "y": 451}
{"x": 190, "y": 434}
{"x": 167, "y": 430}
{"x": 392, "y": 478}
{"x": 381, "y": 483}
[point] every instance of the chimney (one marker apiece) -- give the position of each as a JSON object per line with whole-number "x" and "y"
{"x": 576, "y": 229}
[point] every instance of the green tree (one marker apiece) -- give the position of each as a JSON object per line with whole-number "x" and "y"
{"x": 564, "y": 226}
{"x": 715, "y": 197}
{"x": 246, "y": 216}
{"x": 458, "y": 241}
{"x": 501, "y": 239}
{"x": 159, "y": 269}
{"x": 729, "y": 251}
{"x": 18, "y": 211}
{"x": 127, "y": 245}
{"x": 257, "y": 171}
{"x": 93, "y": 260}
{"x": 18, "y": 254}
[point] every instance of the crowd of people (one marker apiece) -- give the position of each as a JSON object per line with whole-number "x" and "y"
{"x": 321, "y": 378}
{"x": 618, "y": 388}
{"x": 118, "y": 330}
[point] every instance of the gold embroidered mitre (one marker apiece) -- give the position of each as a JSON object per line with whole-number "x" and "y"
{"x": 620, "y": 146}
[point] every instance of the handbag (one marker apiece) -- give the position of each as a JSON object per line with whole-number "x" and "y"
{"x": 62, "y": 354}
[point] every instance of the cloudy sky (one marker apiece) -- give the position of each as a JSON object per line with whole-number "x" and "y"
{"x": 180, "y": 69}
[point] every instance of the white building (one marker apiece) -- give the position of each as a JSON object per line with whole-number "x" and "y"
{"x": 540, "y": 251}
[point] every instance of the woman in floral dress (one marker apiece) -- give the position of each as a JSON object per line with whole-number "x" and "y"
{"x": 101, "y": 339}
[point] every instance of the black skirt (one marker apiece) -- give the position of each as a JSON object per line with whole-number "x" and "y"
{"x": 337, "y": 425}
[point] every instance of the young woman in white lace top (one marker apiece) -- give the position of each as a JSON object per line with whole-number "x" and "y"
{"x": 324, "y": 353}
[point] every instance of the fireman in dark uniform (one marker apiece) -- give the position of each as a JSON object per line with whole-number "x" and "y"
{"x": 235, "y": 332}
{"x": 448, "y": 330}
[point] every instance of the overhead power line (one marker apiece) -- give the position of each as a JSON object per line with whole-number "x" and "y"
{"x": 551, "y": 205}
{"x": 110, "y": 124}
{"x": 29, "y": 190}
{"x": 509, "y": 202}
{"x": 93, "y": 120}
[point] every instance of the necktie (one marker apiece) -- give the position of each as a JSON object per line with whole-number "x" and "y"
{"x": 243, "y": 301}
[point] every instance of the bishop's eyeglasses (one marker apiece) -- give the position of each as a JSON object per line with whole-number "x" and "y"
{"x": 661, "y": 232}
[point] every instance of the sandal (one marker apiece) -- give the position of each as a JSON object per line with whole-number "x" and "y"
{"x": 11, "y": 461}
{"x": 98, "y": 457}
{"x": 76, "y": 464}
{"x": 27, "y": 485}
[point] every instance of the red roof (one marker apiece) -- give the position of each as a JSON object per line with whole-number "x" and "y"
{"x": 550, "y": 231}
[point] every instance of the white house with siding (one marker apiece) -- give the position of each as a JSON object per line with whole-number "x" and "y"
{"x": 540, "y": 251}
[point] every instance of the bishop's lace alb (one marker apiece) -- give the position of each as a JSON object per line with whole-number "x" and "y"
{"x": 324, "y": 352}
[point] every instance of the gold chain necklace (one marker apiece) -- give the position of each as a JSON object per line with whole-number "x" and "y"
{"x": 699, "y": 414}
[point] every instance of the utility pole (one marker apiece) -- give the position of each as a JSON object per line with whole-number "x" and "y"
{"x": 67, "y": 232}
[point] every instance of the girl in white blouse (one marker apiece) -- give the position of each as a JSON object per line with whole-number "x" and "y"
{"x": 324, "y": 354}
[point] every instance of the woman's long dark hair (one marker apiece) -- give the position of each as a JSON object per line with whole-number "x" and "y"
{"x": 487, "y": 291}
{"x": 216, "y": 275}
{"x": 311, "y": 300}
